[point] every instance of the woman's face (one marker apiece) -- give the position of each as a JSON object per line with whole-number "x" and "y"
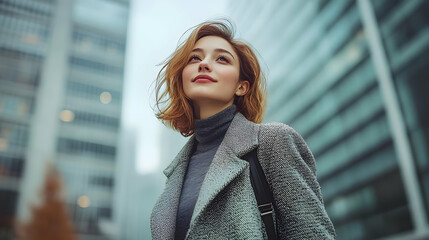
{"x": 212, "y": 73}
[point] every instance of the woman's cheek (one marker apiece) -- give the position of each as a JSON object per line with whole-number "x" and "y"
{"x": 185, "y": 79}
{"x": 186, "y": 73}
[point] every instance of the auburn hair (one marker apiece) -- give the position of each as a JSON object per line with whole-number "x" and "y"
{"x": 175, "y": 108}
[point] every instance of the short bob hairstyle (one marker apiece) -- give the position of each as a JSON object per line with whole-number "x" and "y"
{"x": 175, "y": 109}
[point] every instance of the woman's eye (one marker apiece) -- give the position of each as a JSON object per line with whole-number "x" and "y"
{"x": 194, "y": 58}
{"x": 223, "y": 59}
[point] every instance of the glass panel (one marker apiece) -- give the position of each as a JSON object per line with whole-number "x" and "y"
{"x": 323, "y": 83}
{"x": 404, "y": 27}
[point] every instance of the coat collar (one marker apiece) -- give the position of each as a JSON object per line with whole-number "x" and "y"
{"x": 240, "y": 138}
{"x": 181, "y": 157}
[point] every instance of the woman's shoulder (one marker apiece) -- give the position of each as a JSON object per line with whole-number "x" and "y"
{"x": 278, "y": 129}
{"x": 280, "y": 138}
{"x": 276, "y": 132}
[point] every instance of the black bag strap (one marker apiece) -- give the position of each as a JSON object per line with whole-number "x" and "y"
{"x": 263, "y": 194}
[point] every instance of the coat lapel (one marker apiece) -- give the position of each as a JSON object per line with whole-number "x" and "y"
{"x": 166, "y": 208}
{"x": 240, "y": 138}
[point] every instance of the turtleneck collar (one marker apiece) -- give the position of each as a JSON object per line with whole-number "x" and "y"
{"x": 210, "y": 131}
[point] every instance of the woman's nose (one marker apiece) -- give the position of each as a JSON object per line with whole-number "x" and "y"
{"x": 204, "y": 66}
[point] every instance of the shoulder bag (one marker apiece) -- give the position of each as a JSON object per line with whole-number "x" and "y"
{"x": 262, "y": 192}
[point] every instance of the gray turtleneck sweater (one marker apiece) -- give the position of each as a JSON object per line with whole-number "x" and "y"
{"x": 209, "y": 134}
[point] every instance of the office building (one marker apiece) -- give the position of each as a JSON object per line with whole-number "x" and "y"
{"x": 360, "y": 105}
{"x": 61, "y": 78}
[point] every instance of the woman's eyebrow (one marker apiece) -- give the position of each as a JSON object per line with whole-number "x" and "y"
{"x": 216, "y": 50}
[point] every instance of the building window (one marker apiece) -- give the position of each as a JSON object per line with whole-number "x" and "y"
{"x": 20, "y": 67}
{"x": 11, "y": 166}
{"x": 15, "y": 106}
{"x": 94, "y": 120}
{"x": 95, "y": 66}
{"x": 71, "y": 146}
{"x": 101, "y": 181}
{"x": 91, "y": 92}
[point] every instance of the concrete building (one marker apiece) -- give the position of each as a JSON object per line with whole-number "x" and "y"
{"x": 351, "y": 77}
{"x": 61, "y": 78}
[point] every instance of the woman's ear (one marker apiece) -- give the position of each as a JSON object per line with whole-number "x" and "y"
{"x": 243, "y": 88}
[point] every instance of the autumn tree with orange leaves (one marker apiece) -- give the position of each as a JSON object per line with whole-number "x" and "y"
{"x": 49, "y": 221}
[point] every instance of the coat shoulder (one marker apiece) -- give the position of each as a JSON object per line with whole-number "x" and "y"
{"x": 290, "y": 169}
{"x": 277, "y": 130}
{"x": 277, "y": 139}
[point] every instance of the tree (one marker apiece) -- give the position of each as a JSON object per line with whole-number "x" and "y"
{"x": 50, "y": 220}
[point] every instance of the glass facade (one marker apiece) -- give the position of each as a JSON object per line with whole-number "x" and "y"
{"x": 404, "y": 26}
{"x": 86, "y": 137}
{"x": 24, "y": 34}
{"x": 87, "y": 143}
{"x": 323, "y": 82}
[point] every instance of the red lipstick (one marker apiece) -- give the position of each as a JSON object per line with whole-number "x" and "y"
{"x": 203, "y": 79}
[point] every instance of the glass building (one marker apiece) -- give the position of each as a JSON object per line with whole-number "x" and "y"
{"x": 61, "y": 83}
{"x": 351, "y": 78}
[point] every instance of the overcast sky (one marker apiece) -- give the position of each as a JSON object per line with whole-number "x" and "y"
{"x": 154, "y": 30}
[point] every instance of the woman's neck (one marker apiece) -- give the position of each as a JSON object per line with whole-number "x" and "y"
{"x": 209, "y": 132}
{"x": 203, "y": 110}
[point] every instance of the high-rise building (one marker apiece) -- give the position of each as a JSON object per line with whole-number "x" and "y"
{"x": 24, "y": 37}
{"x": 351, "y": 78}
{"x": 61, "y": 81}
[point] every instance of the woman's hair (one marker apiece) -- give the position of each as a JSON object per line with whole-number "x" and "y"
{"x": 175, "y": 108}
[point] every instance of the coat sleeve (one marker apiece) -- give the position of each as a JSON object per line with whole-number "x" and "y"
{"x": 291, "y": 172}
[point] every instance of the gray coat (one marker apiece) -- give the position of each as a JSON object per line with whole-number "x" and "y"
{"x": 226, "y": 207}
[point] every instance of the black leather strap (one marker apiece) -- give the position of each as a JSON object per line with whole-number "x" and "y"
{"x": 263, "y": 194}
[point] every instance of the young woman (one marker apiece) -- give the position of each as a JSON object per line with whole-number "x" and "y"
{"x": 212, "y": 88}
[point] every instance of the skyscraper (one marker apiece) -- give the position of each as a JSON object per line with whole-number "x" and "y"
{"x": 350, "y": 76}
{"x": 61, "y": 78}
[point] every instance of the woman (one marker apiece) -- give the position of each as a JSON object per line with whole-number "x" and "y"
{"x": 213, "y": 89}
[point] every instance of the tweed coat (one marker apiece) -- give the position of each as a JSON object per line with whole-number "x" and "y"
{"x": 226, "y": 207}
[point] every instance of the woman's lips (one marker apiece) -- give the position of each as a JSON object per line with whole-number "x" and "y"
{"x": 203, "y": 79}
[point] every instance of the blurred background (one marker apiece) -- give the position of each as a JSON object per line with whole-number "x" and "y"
{"x": 76, "y": 124}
